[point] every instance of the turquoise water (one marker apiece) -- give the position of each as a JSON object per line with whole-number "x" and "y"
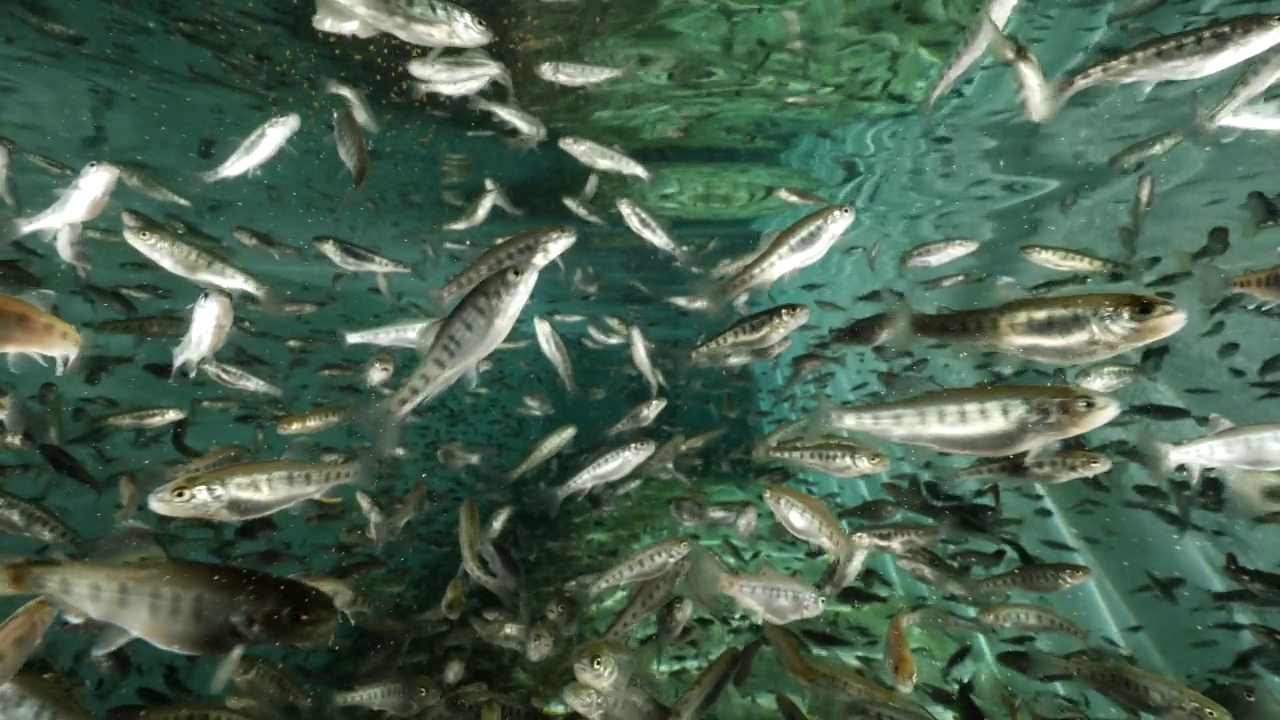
{"x": 723, "y": 102}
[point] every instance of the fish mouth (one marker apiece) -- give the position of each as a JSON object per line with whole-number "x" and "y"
{"x": 1164, "y": 326}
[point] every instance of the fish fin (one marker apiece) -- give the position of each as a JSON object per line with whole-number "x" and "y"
{"x": 42, "y": 299}
{"x": 501, "y": 200}
{"x": 384, "y": 285}
{"x": 1218, "y": 423}
{"x": 378, "y": 423}
{"x": 472, "y": 377}
{"x": 109, "y": 640}
{"x": 24, "y": 362}
{"x": 705, "y": 575}
{"x": 819, "y": 423}
{"x": 329, "y": 500}
{"x": 845, "y": 569}
{"x": 1213, "y": 281}
{"x": 554, "y": 500}
{"x": 70, "y": 365}
{"x": 589, "y": 189}
{"x": 1156, "y": 456}
{"x": 226, "y": 669}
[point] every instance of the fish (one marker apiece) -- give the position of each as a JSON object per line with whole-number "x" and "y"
{"x": 211, "y": 320}
{"x": 1244, "y": 447}
{"x": 1188, "y": 55}
{"x": 1063, "y": 331}
{"x": 352, "y": 148}
{"x": 83, "y": 201}
{"x": 28, "y": 328}
{"x": 249, "y": 490}
{"x": 356, "y": 102}
{"x": 576, "y": 75}
{"x": 754, "y": 332}
{"x": 609, "y": 466}
{"x": 170, "y": 251}
{"x": 21, "y": 635}
{"x": 994, "y": 14}
{"x": 602, "y": 159}
{"x": 984, "y": 421}
{"x": 257, "y": 149}
{"x": 553, "y": 348}
{"x": 474, "y": 329}
{"x": 937, "y": 253}
{"x": 208, "y": 609}
{"x": 544, "y": 449}
{"x": 8, "y": 193}
{"x": 650, "y": 229}
{"x": 1126, "y": 685}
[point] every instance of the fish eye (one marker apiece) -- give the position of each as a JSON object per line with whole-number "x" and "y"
{"x": 92, "y": 166}
{"x": 1145, "y": 308}
{"x": 144, "y": 234}
{"x": 1248, "y": 695}
{"x": 422, "y": 691}
{"x": 181, "y": 493}
{"x": 597, "y": 663}
{"x": 1085, "y": 404}
{"x": 516, "y": 273}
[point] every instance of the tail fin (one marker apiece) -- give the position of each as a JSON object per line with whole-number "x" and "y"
{"x": 76, "y": 363}
{"x": 1156, "y": 456}
{"x": 379, "y": 424}
{"x": 706, "y": 571}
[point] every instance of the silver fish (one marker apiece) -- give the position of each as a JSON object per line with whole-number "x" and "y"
{"x": 355, "y": 101}
{"x": 995, "y": 14}
{"x": 543, "y": 450}
{"x": 576, "y": 75}
{"x": 610, "y": 466}
{"x": 352, "y": 149}
{"x": 211, "y": 320}
{"x": 601, "y": 158}
{"x": 257, "y": 149}
{"x": 984, "y": 421}
{"x": 553, "y": 348}
{"x": 80, "y": 203}
{"x": 802, "y": 244}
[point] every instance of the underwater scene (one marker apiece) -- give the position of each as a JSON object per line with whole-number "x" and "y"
{"x": 639, "y": 359}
